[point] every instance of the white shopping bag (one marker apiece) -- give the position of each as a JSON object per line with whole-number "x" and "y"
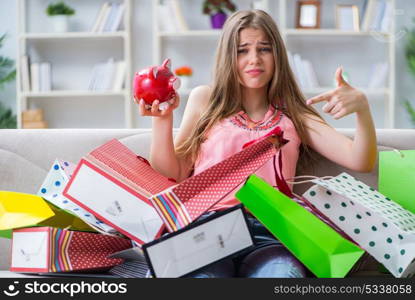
{"x": 380, "y": 226}
{"x": 199, "y": 244}
{"x": 114, "y": 184}
{"x": 53, "y": 186}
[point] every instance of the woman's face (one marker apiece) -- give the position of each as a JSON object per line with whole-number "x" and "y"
{"x": 255, "y": 59}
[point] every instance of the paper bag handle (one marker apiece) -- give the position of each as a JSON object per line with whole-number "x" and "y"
{"x": 310, "y": 179}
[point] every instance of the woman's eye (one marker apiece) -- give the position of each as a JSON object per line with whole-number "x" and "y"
{"x": 242, "y": 51}
{"x": 265, "y": 49}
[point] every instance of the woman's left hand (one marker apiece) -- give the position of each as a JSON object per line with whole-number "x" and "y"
{"x": 343, "y": 100}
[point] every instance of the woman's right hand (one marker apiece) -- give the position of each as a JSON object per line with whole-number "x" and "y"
{"x": 155, "y": 111}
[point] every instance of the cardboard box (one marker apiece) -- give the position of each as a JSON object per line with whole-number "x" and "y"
{"x": 32, "y": 115}
{"x": 35, "y": 125}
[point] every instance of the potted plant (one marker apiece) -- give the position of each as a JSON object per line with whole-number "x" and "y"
{"x": 410, "y": 57}
{"x": 7, "y": 74}
{"x": 184, "y": 74}
{"x": 59, "y": 13}
{"x": 217, "y": 9}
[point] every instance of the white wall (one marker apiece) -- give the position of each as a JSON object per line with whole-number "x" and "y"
{"x": 142, "y": 50}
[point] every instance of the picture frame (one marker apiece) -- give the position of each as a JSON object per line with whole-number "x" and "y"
{"x": 347, "y": 17}
{"x": 308, "y": 14}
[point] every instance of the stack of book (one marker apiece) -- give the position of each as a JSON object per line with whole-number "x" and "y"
{"x": 377, "y": 15}
{"x": 33, "y": 118}
{"x": 36, "y": 77}
{"x": 303, "y": 70}
{"x": 109, "y": 18}
{"x": 170, "y": 17}
{"x": 108, "y": 76}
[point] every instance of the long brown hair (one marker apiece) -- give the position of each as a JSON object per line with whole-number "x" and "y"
{"x": 226, "y": 97}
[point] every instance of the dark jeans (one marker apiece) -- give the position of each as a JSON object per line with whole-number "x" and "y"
{"x": 267, "y": 259}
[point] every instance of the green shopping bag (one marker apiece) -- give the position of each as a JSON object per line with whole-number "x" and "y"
{"x": 397, "y": 177}
{"x": 319, "y": 247}
{"x": 7, "y": 234}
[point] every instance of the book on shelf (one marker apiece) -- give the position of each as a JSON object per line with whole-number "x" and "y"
{"x": 119, "y": 76}
{"x": 25, "y": 73}
{"x": 170, "y": 17}
{"x": 387, "y": 18}
{"x": 109, "y": 17}
{"x": 118, "y": 18}
{"x": 377, "y": 15}
{"x": 104, "y": 18}
{"x": 40, "y": 77}
{"x": 298, "y": 65}
{"x": 35, "y": 77}
{"x": 303, "y": 70}
{"x": 108, "y": 76}
{"x": 178, "y": 15}
{"x": 99, "y": 17}
{"x": 45, "y": 77}
{"x": 310, "y": 74}
{"x": 378, "y": 75}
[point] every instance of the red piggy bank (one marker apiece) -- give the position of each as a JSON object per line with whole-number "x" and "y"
{"x": 155, "y": 83}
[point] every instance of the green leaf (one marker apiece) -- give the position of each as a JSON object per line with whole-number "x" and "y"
{"x": 59, "y": 8}
{"x": 9, "y": 77}
{"x": 7, "y": 73}
{"x": 2, "y": 39}
{"x": 412, "y": 64}
{"x": 7, "y": 119}
{"x": 411, "y": 110}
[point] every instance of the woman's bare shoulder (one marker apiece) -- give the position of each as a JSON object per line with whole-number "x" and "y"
{"x": 199, "y": 99}
{"x": 196, "y": 105}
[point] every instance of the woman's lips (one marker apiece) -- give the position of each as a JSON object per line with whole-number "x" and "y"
{"x": 254, "y": 72}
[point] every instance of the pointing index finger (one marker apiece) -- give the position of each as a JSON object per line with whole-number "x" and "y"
{"x": 319, "y": 98}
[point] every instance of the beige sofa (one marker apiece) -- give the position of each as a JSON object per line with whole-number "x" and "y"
{"x": 27, "y": 155}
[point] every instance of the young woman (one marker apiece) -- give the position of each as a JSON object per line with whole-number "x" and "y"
{"x": 254, "y": 91}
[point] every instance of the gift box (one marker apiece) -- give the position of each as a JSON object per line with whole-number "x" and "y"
{"x": 379, "y": 225}
{"x": 52, "y": 188}
{"x": 199, "y": 244}
{"x": 47, "y": 249}
{"x": 319, "y": 247}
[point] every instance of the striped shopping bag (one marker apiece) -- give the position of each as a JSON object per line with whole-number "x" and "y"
{"x": 180, "y": 205}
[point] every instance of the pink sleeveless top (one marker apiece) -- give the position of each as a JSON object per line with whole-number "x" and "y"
{"x": 229, "y": 135}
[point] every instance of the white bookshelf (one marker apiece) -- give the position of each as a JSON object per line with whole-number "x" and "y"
{"x": 329, "y": 32}
{"x": 75, "y": 35}
{"x": 73, "y": 93}
{"x": 35, "y": 38}
{"x": 282, "y": 11}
